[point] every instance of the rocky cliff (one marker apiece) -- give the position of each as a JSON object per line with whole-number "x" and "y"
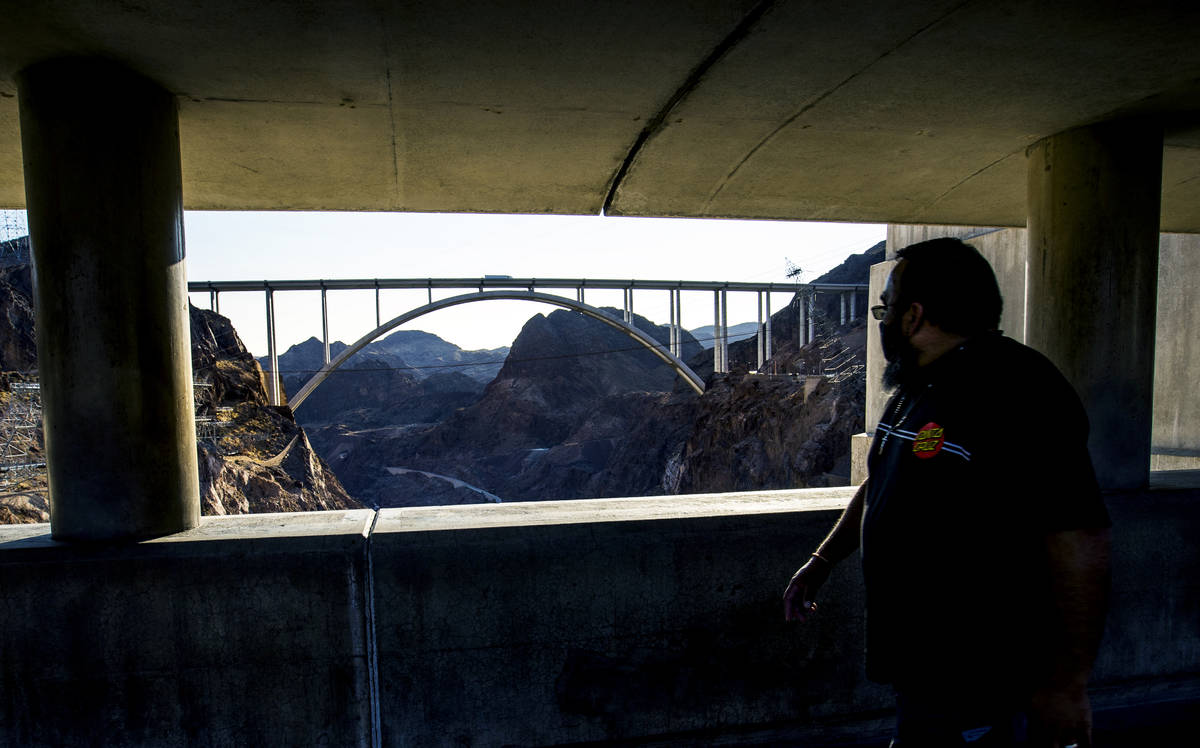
{"x": 569, "y": 397}
{"x": 252, "y": 457}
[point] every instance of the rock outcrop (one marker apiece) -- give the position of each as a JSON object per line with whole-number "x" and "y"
{"x": 18, "y": 347}
{"x": 252, "y": 457}
{"x": 570, "y": 397}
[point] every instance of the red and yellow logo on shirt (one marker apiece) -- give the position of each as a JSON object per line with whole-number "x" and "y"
{"x": 929, "y": 441}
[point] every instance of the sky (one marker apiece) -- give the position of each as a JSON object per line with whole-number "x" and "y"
{"x": 310, "y": 246}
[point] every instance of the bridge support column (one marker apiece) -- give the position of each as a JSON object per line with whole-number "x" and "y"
{"x": 758, "y": 334}
{"x": 724, "y": 331}
{"x": 274, "y": 383}
{"x": 812, "y": 314}
{"x": 678, "y": 324}
{"x": 1092, "y": 281}
{"x": 767, "y": 344}
{"x": 325, "y": 321}
{"x": 103, "y": 189}
{"x": 673, "y": 336}
{"x": 801, "y": 321}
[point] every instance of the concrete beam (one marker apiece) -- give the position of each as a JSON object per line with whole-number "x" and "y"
{"x": 1092, "y": 281}
{"x": 106, "y": 224}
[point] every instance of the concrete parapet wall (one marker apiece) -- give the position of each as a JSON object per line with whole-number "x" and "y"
{"x": 661, "y": 620}
{"x": 245, "y": 631}
{"x": 510, "y": 624}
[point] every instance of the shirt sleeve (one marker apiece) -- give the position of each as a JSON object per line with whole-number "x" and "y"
{"x": 1064, "y": 494}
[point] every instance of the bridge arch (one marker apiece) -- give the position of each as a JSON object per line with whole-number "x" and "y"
{"x": 655, "y": 347}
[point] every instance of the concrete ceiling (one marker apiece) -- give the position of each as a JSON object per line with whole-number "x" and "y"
{"x": 914, "y": 112}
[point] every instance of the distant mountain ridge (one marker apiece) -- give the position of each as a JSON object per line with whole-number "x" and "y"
{"x": 416, "y": 352}
{"x": 549, "y": 426}
{"x": 740, "y": 331}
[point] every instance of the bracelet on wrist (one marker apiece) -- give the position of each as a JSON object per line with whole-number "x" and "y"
{"x": 816, "y": 555}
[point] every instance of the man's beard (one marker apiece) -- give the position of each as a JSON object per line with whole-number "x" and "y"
{"x": 902, "y": 366}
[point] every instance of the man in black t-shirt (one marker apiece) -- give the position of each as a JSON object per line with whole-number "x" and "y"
{"x": 983, "y": 535}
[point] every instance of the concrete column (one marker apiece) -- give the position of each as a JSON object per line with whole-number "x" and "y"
{"x": 1092, "y": 281}
{"x": 842, "y": 298}
{"x": 767, "y": 346}
{"x": 812, "y": 316}
{"x": 717, "y": 331}
{"x": 725, "y": 331}
{"x": 273, "y": 388}
{"x": 678, "y": 323}
{"x": 325, "y": 323}
{"x": 103, "y": 190}
{"x": 758, "y": 334}
{"x": 802, "y": 314}
{"x": 877, "y": 396}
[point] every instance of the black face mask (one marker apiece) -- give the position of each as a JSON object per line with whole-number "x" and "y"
{"x": 892, "y": 339}
{"x": 900, "y": 355}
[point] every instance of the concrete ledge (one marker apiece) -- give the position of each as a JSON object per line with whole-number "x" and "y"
{"x": 587, "y": 511}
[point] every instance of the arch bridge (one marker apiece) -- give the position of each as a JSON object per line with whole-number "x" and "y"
{"x": 507, "y": 288}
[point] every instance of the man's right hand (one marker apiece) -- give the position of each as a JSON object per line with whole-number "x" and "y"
{"x": 798, "y": 598}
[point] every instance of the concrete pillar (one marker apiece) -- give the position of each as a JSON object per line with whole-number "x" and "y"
{"x": 725, "y": 333}
{"x": 1092, "y": 281}
{"x": 842, "y": 299}
{"x": 103, "y": 190}
{"x": 717, "y": 331}
{"x": 767, "y": 345}
{"x": 759, "y": 338}
{"x": 325, "y": 322}
{"x": 877, "y": 396}
{"x": 812, "y": 316}
{"x": 273, "y": 379}
{"x": 802, "y": 314}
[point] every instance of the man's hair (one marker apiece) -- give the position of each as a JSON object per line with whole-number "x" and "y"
{"x": 954, "y": 284}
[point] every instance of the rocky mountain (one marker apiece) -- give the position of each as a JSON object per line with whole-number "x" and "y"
{"x": 252, "y": 457}
{"x": 737, "y": 332}
{"x": 566, "y": 400}
{"x": 408, "y": 377}
{"x": 753, "y": 432}
{"x": 418, "y": 354}
{"x": 18, "y": 348}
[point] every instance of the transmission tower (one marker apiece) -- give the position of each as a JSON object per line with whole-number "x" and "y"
{"x": 20, "y": 432}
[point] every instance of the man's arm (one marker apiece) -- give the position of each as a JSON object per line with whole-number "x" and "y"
{"x": 1078, "y": 565}
{"x": 841, "y": 542}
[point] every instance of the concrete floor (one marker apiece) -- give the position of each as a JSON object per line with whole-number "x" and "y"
{"x": 1168, "y": 723}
